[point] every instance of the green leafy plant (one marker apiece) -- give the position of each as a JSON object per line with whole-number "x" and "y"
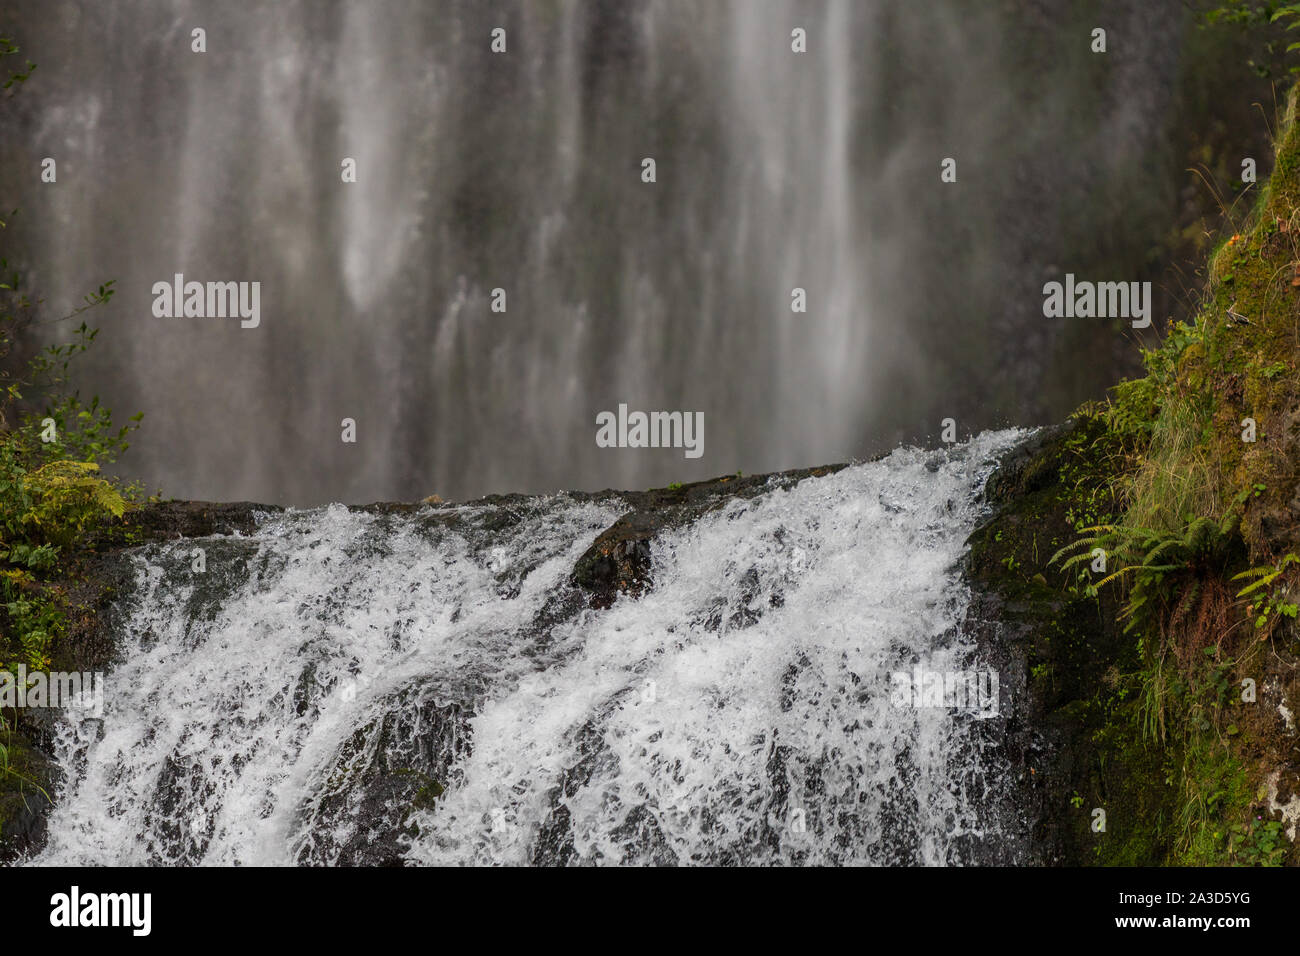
{"x": 16, "y": 77}
{"x": 1257, "y": 843}
{"x": 1147, "y": 557}
{"x": 1271, "y": 600}
{"x": 8, "y": 770}
{"x": 1262, "y": 14}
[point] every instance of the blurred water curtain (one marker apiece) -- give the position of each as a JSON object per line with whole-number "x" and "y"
{"x": 459, "y": 248}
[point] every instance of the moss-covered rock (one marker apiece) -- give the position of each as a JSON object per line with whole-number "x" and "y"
{"x": 1062, "y": 649}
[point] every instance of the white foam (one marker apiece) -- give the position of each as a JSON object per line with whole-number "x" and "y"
{"x": 690, "y": 725}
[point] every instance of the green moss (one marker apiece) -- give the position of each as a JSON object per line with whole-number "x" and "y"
{"x": 1133, "y": 782}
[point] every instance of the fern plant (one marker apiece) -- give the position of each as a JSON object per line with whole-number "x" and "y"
{"x": 1270, "y": 602}
{"x": 1147, "y": 556}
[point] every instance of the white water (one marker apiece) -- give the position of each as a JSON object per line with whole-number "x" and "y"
{"x": 277, "y": 709}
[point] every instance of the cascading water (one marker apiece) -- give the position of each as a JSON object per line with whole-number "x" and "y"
{"x": 426, "y": 685}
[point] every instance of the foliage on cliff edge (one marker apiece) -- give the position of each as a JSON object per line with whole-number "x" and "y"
{"x": 1186, "y": 502}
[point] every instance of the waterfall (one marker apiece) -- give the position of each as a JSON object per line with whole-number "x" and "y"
{"x": 521, "y": 171}
{"x": 475, "y": 171}
{"x": 425, "y": 685}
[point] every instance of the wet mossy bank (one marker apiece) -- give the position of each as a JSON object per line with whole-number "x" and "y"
{"x": 1142, "y": 564}
{"x": 1184, "y": 770}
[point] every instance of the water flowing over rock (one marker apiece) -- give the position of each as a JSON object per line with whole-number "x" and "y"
{"x": 418, "y": 685}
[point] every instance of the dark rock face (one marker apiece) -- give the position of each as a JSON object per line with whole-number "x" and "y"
{"x": 395, "y": 764}
{"x": 25, "y": 796}
{"x": 194, "y": 519}
{"x": 1052, "y": 649}
{"x": 163, "y": 520}
{"x": 618, "y": 561}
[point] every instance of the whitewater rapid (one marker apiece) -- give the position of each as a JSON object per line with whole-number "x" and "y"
{"x": 353, "y": 686}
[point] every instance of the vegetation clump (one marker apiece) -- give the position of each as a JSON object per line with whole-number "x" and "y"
{"x": 1184, "y": 500}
